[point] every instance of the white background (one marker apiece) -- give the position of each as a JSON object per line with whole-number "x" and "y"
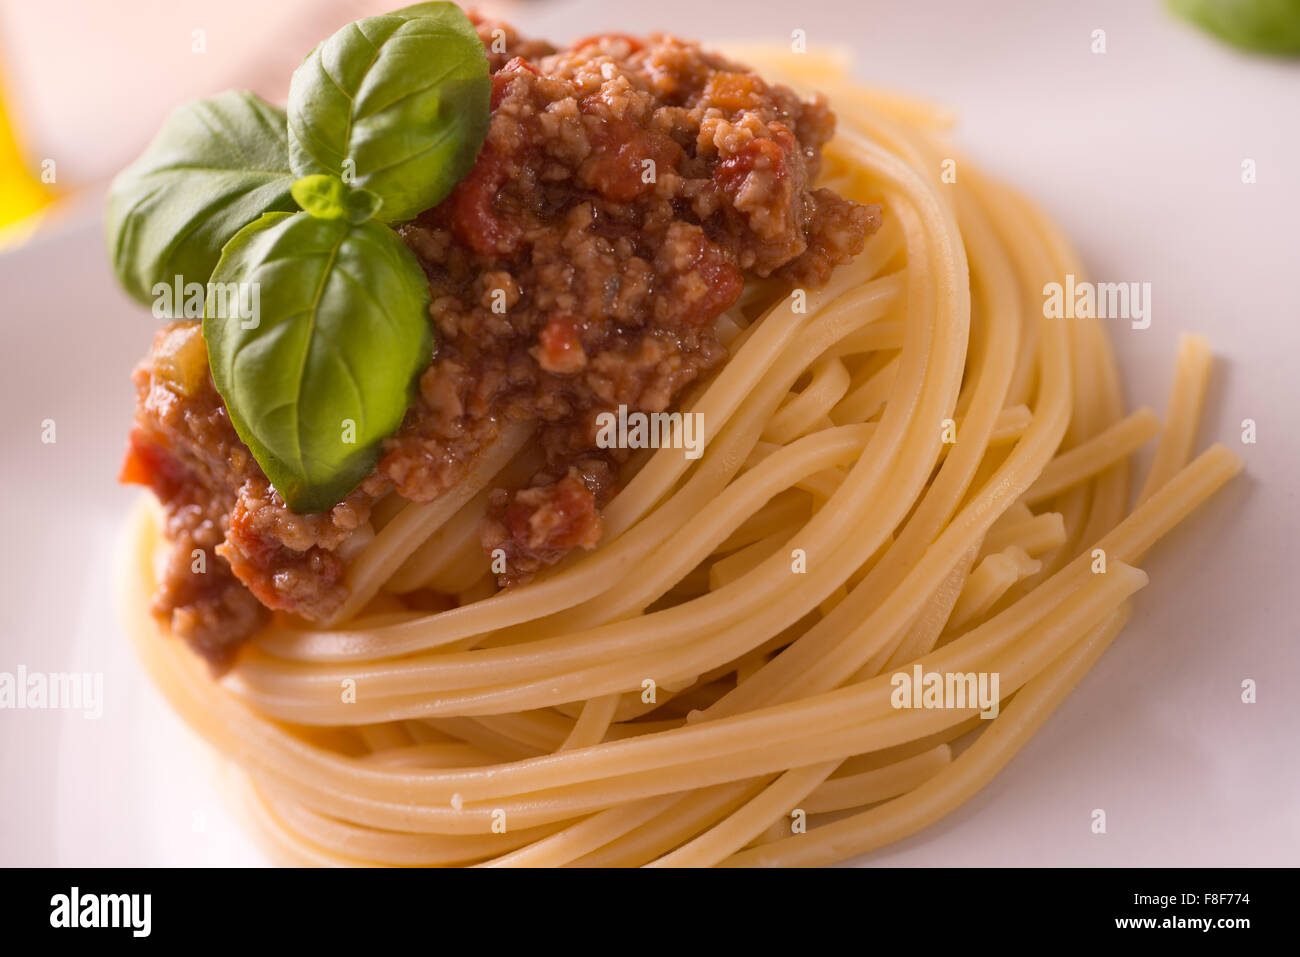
{"x": 1138, "y": 153}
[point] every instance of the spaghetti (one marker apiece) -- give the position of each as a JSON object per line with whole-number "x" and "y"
{"x": 908, "y": 466}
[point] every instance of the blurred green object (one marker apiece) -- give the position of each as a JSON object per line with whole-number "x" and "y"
{"x": 1261, "y": 26}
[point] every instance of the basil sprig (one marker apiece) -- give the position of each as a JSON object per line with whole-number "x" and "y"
{"x": 316, "y": 321}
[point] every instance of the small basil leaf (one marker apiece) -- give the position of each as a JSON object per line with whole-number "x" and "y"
{"x": 328, "y": 197}
{"x": 361, "y": 205}
{"x": 215, "y": 166}
{"x": 321, "y": 195}
{"x": 325, "y": 370}
{"x": 1264, "y": 26}
{"x": 397, "y": 104}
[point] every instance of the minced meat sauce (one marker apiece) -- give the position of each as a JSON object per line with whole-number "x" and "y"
{"x": 625, "y": 189}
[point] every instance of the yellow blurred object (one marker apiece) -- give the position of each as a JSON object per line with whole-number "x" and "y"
{"x": 23, "y": 196}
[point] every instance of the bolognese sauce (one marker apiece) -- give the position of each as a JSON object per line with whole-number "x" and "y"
{"x": 626, "y": 189}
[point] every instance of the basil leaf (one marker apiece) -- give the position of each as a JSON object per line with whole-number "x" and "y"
{"x": 1264, "y": 26}
{"x": 321, "y": 195}
{"x": 361, "y": 204}
{"x": 341, "y": 331}
{"x": 216, "y": 165}
{"x": 328, "y": 197}
{"x": 396, "y": 103}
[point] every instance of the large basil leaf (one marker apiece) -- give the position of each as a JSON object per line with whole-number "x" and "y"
{"x": 216, "y": 166}
{"x": 1266, "y": 26}
{"x": 343, "y": 331}
{"x": 397, "y": 104}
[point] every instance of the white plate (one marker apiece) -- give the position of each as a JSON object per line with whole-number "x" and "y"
{"x": 1137, "y": 151}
